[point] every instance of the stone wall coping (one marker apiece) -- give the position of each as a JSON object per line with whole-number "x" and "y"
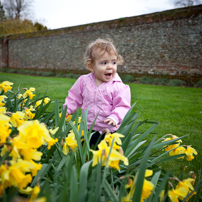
{"x": 168, "y": 15}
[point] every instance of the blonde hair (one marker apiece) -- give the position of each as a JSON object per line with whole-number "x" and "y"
{"x": 103, "y": 46}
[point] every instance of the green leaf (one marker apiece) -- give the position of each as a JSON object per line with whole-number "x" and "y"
{"x": 135, "y": 148}
{"x": 57, "y": 112}
{"x": 98, "y": 184}
{"x": 138, "y": 140}
{"x": 169, "y": 158}
{"x": 154, "y": 180}
{"x": 77, "y": 136}
{"x": 141, "y": 174}
{"x": 113, "y": 197}
{"x": 159, "y": 188}
{"x": 83, "y": 186}
{"x": 127, "y": 139}
{"x": 61, "y": 164}
{"x": 73, "y": 185}
{"x": 41, "y": 173}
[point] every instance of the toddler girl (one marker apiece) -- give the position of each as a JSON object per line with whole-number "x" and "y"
{"x": 102, "y": 90}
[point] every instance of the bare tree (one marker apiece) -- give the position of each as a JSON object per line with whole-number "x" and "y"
{"x": 2, "y": 13}
{"x": 16, "y": 9}
{"x": 186, "y": 3}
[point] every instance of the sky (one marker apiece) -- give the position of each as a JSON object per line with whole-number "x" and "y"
{"x": 67, "y": 13}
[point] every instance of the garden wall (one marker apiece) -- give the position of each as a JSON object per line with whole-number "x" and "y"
{"x": 163, "y": 43}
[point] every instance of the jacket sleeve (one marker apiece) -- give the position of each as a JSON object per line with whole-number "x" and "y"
{"x": 74, "y": 100}
{"x": 121, "y": 104}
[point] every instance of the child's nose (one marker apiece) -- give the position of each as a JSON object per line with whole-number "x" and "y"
{"x": 109, "y": 66}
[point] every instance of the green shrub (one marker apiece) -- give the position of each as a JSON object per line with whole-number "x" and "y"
{"x": 12, "y": 70}
{"x": 70, "y": 75}
{"x": 176, "y": 82}
{"x": 61, "y": 75}
{"x": 5, "y": 69}
{"x": 32, "y": 72}
{"x": 198, "y": 84}
{"x": 73, "y": 76}
{"x": 76, "y": 76}
{"x": 151, "y": 80}
{"x": 128, "y": 78}
{"x": 146, "y": 80}
{"x": 21, "y": 71}
{"x": 161, "y": 81}
{"x": 47, "y": 73}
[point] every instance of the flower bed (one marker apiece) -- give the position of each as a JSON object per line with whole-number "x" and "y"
{"x": 46, "y": 157}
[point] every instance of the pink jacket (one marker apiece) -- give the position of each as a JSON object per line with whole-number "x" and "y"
{"x": 110, "y": 99}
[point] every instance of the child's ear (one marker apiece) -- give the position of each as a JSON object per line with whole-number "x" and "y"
{"x": 90, "y": 67}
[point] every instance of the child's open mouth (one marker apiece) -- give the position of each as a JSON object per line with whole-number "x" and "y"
{"x": 108, "y": 75}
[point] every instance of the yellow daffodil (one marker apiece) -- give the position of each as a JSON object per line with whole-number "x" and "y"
{"x": 6, "y": 85}
{"x": 79, "y": 120}
{"x": 35, "y": 192}
{"x": 2, "y": 110}
{"x": 34, "y": 133}
{"x": 4, "y": 120}
{"x": 14, "y": 153}
{"x": 27, "y": 190}
{"x": 38, "y": 103}
{"x": 172, "y": 146}
{"x": 46, "y": 101}
{"x": 103, "y": 152}
{"x": 23, "y": 103}
{"x": 4, "y": 133}
{"x": 31, "y": 154}
{"x": 23, "y": 165}
{"x": 17, "y": 118}
{"x": 146, "y": 189}
{"x": 128, "y": 197}
{"x": 29, "y": 113}
{"x": 14, "y": 175}
{"x": 190, "y": 151}
{"x": 116, "y": 136}
{"x": 19, "y": 96}
{"x": 5, "y": 130}
{"x": 162, "y": 194}
{"x": 176, "y": 151}
{"x": 148, "y": 173}
{"x": 2, "y": 100}
{"x": 175, "y": 194}
{"x": 71, "y": 142}
{"x": 41, "y": 199}
{"x": 36, "y": 167}
{"x": 29, "y": 93}
{"x": 53, "y": 131}
{"x": 15, "y": 149}
{"x": 65, "y": 149}
{"x": 187, "y": 185}
{"x": 51, "y": 142}
{"x": 68, "y": 118}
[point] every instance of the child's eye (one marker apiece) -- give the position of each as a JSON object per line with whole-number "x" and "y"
{"x": 114, "y": 63}
{"x": 104, "y": 63}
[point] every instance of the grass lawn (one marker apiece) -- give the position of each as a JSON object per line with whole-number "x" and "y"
{"x": 177, "y": 109}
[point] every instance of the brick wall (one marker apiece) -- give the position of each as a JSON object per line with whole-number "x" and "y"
{"x": 163, "y": 43}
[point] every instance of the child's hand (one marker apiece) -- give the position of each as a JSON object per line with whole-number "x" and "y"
{"x": 67, "y": 114}
{"x": 110, "y": 122}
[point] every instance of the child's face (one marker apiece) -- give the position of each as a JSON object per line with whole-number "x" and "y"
{"x": 104, "y": 68}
